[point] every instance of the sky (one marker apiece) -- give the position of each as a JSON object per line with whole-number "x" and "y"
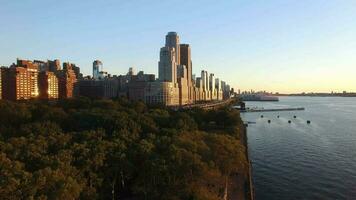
{"x": 285, "y": 46}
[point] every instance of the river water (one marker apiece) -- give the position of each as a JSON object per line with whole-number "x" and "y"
{"x": 300, "y": 160}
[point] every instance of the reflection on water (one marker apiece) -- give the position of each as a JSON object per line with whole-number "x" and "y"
{"x": 300, "y": 160}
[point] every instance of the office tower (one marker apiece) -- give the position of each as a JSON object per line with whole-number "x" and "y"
{"x": 48, "y": 85}
{"x": 172, "y": 41}
{"x": 32, "y": 69}
{"x": 185, "y": 59}
{"x": 54, "y": 66}
{"x": 167, "y": 66}
{"x": 66, "y": 81}
{"x": 16, "y": 83}
{"x": 97, "y": 67}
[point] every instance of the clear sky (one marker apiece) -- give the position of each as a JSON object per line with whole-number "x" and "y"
{"x": 275, "y": 45}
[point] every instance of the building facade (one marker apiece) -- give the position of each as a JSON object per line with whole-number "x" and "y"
{"x": 48, "y": 85}
{"x": 16, "y": 83}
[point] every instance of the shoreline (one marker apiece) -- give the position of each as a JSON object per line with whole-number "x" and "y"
{"x": 250, "y": 189}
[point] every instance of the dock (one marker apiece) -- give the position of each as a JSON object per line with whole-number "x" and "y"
{"x": 272, "y": 110}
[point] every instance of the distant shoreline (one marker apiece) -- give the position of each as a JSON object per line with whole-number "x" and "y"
{"x": 315, "y": 95}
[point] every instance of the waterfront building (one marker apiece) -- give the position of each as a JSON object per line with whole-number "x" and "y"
{"x": 48, "y": 85}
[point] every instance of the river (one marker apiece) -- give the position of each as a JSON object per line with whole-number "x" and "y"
{"x": 304, "y": 161}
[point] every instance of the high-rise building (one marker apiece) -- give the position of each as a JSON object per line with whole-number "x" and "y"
{"x": 212, "y": 87}
{"x": 66, "y": 82}
{"x": 48, "y": 85}
{"x": 172, "y": 41}
{"x": 167, "y": 66}
{"x": 32, "y": 69}
{"x": 97, "y": 67}
{"x": 16, "y": 83}
{"x": 185, "y": 59}
{"x": 68, "y": 65}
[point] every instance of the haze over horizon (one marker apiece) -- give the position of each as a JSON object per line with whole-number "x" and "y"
{"x": 280, "y": 46}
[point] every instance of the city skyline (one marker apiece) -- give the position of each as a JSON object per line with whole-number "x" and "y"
{"x": 285, "y": 47}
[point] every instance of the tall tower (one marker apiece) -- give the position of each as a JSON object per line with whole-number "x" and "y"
{"x": 212, "y": 83}
{"x": 172, "y": 40}
{"x": 167, "y": 66}
{"x": 97, "y": 67}
{"x": 186, "y": 59}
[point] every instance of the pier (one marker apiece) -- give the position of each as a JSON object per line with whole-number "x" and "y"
{"x": 271, "y": 110}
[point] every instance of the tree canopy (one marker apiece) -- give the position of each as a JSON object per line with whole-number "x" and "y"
{"x": 115, "y": 149}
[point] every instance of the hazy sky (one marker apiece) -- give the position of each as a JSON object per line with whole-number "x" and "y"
{"x": 274, "y": 45}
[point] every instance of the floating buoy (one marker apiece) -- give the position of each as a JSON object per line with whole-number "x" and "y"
{"x": 308, "y": 122}
{"x": 289, "y": 121}
{"x": 261, "y": 116}
{"x": 278, "y": 116}
{"x": 269, "y": 121}
{"x": 295, "y": 116}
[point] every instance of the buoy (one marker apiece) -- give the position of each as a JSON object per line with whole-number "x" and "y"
{"x": 308, "y": 122}
{"x": 295, "y": 116}
{"x": 269, "y": 121}
{"x": 278, "y": 116}
{"x": 261, "y": 116}
{"x": 289, "y": 121}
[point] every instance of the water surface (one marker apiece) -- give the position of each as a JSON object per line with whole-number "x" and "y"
{"x": 300, "y": 160}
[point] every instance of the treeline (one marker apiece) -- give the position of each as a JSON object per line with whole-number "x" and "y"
{"x": 116, "y": 149}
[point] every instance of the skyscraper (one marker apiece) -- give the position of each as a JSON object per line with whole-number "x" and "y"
{"x": 212, "y": 86}
{"x": 167, "y": 66}
{"x": 172, "y": 40}
{"x": 97, "y": 67}
{"x": 185, "y": 59}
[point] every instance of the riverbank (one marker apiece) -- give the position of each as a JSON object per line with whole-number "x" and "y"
{"x": 240, "y": 185}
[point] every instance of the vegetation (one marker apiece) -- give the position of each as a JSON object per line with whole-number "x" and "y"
{"x": 116, "y": 149}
